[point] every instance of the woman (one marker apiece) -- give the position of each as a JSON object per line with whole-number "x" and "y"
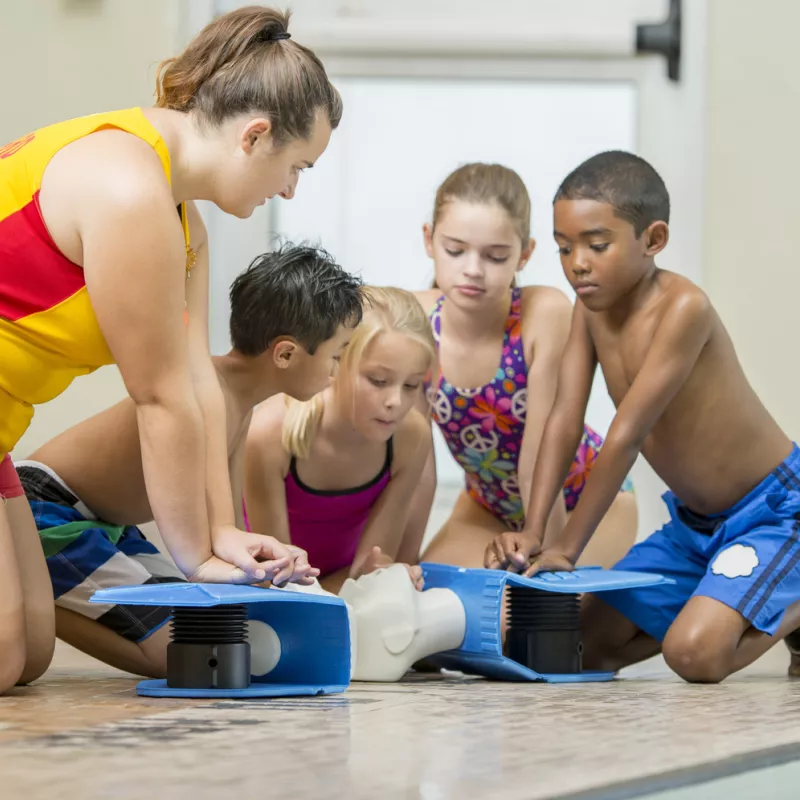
{"x": 97, "y": 267}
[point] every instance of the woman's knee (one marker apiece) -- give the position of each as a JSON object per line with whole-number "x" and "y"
{"x": 38, "y": 656}
{"x": 40, "y": 640}
{"x": 12, "y": 663}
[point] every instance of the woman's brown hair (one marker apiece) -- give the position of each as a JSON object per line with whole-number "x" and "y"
{"x": 246, "y": 62}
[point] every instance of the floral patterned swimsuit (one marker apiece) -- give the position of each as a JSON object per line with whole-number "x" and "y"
{"x": 484, "y": 427}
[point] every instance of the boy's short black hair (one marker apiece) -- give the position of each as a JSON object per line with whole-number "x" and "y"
{"x": 624, "y": 181}
{"x": 297, "y": 291}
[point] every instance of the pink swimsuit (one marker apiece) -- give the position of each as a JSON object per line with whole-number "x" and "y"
{"x": 328, "y": 524}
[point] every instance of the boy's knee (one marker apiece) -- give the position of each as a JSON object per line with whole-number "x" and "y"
{"x": 154, "y": 651}
{"x": 157, "y": 664}
{"x": 695, "y": 656}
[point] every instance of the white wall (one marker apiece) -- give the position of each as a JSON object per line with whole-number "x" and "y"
{"x": 753, "y": 199}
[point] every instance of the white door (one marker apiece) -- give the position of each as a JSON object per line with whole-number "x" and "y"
{"x": 535, "y": 85}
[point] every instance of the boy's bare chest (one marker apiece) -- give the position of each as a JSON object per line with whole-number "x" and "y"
{"x": 237, "y": 421}
{"x": 622, "y": 352}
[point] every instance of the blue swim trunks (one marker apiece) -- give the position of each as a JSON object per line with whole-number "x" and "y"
{"x": 747, "y": 557}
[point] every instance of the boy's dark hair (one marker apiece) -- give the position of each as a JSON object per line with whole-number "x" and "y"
{"x": 624, "y": 181}
{"x": 297, "y": 291}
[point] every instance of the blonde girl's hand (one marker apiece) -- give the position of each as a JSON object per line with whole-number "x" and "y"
{"x": 377, "y": 559}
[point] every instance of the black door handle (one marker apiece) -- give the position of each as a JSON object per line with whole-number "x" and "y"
{"x": 664, "y": 38}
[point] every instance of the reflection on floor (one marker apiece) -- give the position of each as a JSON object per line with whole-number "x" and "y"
{"x": 81, "y": 732}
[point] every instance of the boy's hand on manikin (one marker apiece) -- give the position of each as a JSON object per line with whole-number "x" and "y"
{"x": 511, "y": 551}
{"x": 550, "y": 560}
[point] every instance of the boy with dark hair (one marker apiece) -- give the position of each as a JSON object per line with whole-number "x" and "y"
{"x": 733, "y": 542}
{"x": 292, "y": 313}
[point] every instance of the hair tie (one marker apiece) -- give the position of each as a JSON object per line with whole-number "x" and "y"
{"x": 270, "y": 36}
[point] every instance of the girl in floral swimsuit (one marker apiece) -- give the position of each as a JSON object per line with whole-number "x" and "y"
{"x": 506, "y": 343}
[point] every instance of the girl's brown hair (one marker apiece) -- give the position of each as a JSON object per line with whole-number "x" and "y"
{"x": 245, "y": 62}
{"x": 488, "y": 183}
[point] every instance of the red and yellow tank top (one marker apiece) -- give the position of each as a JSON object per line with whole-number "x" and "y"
{"x": 49, "y": 334}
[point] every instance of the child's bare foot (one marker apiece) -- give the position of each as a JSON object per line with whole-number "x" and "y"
{"x": 793, "y": 643}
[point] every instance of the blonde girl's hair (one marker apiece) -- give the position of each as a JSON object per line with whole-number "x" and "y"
{"x": 386, "y": 310}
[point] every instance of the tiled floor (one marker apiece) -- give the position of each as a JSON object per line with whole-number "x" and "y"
{"x": 81, "y": 732}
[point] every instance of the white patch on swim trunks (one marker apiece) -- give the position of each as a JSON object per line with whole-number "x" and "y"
{"x": 737, "y": 561}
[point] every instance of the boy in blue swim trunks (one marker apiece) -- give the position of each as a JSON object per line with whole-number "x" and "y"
{"x": 292, "y": 313}
{"x": 733, "y": 541}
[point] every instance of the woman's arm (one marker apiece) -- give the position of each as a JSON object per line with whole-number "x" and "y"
{"x": 206, "y": 383}
{"x": 133, "y": 259}
{"x": 110, "y": 208}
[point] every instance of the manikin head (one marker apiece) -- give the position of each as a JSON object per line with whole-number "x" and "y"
{"x": 397, "y": 625}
